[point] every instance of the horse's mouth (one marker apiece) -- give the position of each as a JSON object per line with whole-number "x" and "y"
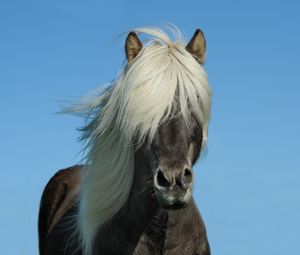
{"x": 169, "y": 199}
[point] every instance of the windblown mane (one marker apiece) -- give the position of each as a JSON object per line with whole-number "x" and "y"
{"x": 128, "y": 113}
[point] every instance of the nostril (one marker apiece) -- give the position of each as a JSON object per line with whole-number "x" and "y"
{"x": 161, "y": 180}
{"x": 179, "y": 182}
{"x": 187, "y": 172}
{"x": 188, "y": 175}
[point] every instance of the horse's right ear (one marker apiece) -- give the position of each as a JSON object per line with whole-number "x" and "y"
{"x": 197, "y": 46}
{"x": 133, "y": 46}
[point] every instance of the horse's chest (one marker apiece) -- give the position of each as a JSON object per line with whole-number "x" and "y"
{"x": 166, "y": 242}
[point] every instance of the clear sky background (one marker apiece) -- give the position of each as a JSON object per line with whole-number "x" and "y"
{"x": 248, "y": 184}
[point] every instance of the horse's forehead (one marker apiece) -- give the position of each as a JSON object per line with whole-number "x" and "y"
{"x": 174, "y": 132}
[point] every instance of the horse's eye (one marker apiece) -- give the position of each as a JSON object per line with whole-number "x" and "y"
{"x": 195, "y": 134}
{"x": 155, "y": 151}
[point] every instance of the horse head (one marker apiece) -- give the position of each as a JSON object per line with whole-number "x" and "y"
{"x": 176, "y": 144}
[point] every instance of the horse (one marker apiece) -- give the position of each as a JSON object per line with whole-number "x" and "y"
{"x": 143, "y": 135}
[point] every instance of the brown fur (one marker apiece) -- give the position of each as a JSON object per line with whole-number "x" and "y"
{"x": 58, "y": 197}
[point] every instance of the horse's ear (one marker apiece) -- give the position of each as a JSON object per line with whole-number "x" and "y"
{"x": 197, "y": 46}
{"x": 133, "y": 46}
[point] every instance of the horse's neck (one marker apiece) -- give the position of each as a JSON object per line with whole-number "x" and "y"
{"x": 156, "y": 219}
{"x": 162, "y": 230}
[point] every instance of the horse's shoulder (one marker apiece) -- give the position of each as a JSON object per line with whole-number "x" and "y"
{"x": 58, "y": 197}
{"x": 69, "y": 177}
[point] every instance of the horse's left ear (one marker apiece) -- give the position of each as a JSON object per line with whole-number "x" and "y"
{"x": 197, "y": 46}
{"x": 133, "y": 46}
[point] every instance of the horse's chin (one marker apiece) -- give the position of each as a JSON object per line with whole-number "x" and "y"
{"x": 170, "y": 202}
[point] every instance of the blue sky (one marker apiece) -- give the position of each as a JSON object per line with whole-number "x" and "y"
{"x": 248, "y": 184}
